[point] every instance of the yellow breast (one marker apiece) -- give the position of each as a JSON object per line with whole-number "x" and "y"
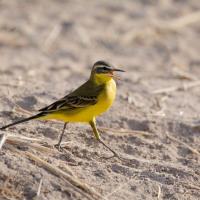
{"x": 106, "y": 98}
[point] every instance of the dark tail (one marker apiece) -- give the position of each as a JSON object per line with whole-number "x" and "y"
{"x": 22, "y": 120}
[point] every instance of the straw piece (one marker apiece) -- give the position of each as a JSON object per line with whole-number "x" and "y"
{"x": 18, "y": 141}
{"x": 2, "y": 140}
{"x": 159, "y": 192}
{"x": 58, "y": 172}
{"x": 184, "y": 144}
{"x": 39, "y": 187}
{"x": 125, "y": 131}
{"x": 190, "y": 186}
{"x": 182, "y": 21}
{"x": 52, "y": 37}
{"x": 176, "y": 88}
{"x": 183, "y": 74}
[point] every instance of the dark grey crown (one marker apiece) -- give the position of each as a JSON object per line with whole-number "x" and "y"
{"x": 102, "y": 67}
{"x": 101, "y": 62}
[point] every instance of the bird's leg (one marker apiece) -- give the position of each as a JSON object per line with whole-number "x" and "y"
{"x": 97, "y": 135}
{"x": 58, "y": 145}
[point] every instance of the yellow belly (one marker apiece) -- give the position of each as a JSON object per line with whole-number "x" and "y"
{"x": 105, "y": 100}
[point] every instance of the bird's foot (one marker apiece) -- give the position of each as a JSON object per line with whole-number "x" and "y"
{"x": 115, "y": 154}
{"x": 59, "y": 147}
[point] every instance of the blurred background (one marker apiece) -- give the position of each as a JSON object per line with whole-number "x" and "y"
{"x": 47, "y": 48}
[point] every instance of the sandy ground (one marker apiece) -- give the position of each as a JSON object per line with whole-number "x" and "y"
{"x": 47, "y": 49}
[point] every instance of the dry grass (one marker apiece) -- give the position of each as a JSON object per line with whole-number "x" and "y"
{"x": 183, "y": 87}
{"x": 193, "y": 150}
{"x": 78, "y": 186}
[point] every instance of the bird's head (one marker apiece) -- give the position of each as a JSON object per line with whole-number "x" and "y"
{"x": 103, "y": 72}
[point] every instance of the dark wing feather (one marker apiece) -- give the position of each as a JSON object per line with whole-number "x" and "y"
{"x": 84, "y": 96}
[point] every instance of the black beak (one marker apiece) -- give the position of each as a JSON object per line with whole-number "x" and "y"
{"x": 118, "y": 70}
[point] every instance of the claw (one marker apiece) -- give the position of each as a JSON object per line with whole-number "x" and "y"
{"x": 58, "y": 146}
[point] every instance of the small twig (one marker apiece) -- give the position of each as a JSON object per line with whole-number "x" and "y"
{"x": 183, "y": 143}
{"x": 58, "y": 172}
{"x": 183, "y": 74}
{"x": 191, "y": 186}
{"x": 176, "y": 88}
{"x": 2, "y": 140}
{"x": 159, "y": 192}
{"x": 39, "y": 188}
{"x": 21, "y": 137}
{"x": 83, "y": 35}
{"x": 18, "y": 141}
{"x": 53, "y": 35}
{"x": 66, "y": 168}
{"x": 19, "y": 109}
{"x": 166, "y": 90}
{"x": 117, "y": 189}
{"x": 182, "y": 21}
{"x": 125, "y": 131}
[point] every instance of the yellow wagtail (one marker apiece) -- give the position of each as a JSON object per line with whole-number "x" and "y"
{"x": 85, "y": 103}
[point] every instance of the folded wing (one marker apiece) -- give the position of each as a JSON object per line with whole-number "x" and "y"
{"x": 84, "y": 96}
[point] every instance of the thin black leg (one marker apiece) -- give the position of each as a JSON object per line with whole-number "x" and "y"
{"x": 97, "y": 135}
{"x": 58, "y": 145}
{"x": 115, "y": 154}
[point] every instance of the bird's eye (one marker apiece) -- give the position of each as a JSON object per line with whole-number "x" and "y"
{"x": 104, "y": 68}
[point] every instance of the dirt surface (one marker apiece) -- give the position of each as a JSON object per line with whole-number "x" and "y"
{"x": 47, "y": 49}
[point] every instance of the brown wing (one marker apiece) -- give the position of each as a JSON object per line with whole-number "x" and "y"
{"x": 84, "y": 96}
{"x": 70, "y": 103}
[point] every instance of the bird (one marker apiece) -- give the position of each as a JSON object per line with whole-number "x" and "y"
{"x": 84, "y": 104}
